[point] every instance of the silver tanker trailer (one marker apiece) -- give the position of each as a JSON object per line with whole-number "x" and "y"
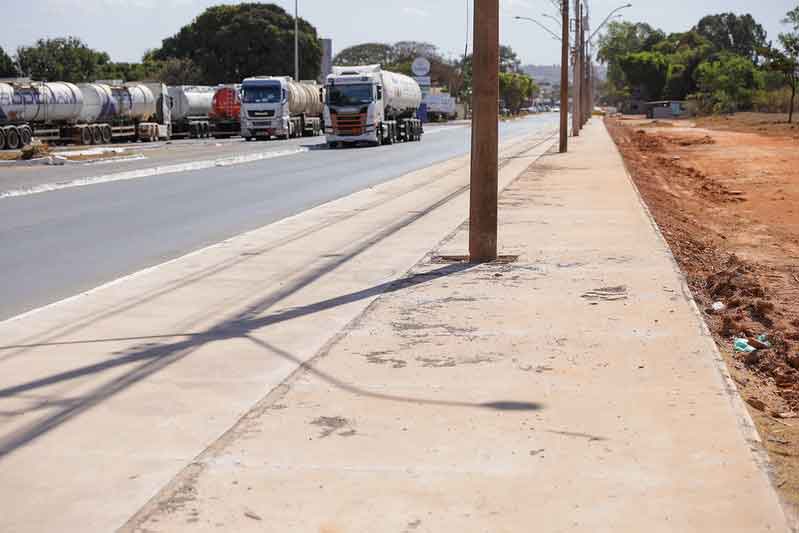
{"x": 88, "y": 113}
{"x": 191, "y": 108}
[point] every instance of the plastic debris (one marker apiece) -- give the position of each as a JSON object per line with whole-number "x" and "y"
{"x": 719, "y": 306}
{"x": 742, "y": 345}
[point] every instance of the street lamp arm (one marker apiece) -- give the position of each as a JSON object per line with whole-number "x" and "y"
{"x": 625, "y": 6}
{"x": 552, "y": 33}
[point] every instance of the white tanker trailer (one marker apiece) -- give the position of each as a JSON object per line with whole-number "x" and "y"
{"x": 88, "y": 113}
{"x": 367, "y": 103}
{"x": 281, "y": 107}
{"x": 191, "y": 108}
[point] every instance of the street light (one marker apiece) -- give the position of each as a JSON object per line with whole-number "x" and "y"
{"x": 296, "y": 42}
{"x": 547, "y": 15}
{"x": 607, "y": 19}
{"x": 552, "y": 33}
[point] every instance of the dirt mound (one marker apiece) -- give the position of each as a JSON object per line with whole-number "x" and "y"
{"x": 692, "y": 141}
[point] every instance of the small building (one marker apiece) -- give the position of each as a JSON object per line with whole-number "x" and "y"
{"x": 667, "y": 109}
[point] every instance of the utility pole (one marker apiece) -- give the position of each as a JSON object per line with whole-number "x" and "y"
{"x": 578, "y": 71}
{"x": 296, "y": 41}
{"x": 564, "y": 78}
{"x": 584, "y": 64}
{"x": 485, "y": 134}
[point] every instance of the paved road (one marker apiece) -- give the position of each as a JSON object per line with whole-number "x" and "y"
{"x": 60, "y": 243}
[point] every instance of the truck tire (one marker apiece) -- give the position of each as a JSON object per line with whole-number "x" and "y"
{"x": 97, "y": 134}
{"x": 25, "y": 135}
{"x": 105, "y": 131}
{"x": 2, "y": 139}
{"x": 84, "y": 135}
{"x": 12, "y": 138}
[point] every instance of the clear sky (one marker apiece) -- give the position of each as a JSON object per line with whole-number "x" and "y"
{"x": 126, "y": 28}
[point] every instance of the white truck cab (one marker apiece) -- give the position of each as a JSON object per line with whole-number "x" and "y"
{"x": 265, "y": 107}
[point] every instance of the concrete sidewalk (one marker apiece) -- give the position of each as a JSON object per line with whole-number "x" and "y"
{"x": 575, "y": 389}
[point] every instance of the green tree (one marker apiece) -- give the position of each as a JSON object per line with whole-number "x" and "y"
{"x": 619, "y": 41}
{"x": 647, "y": 71}
{"x": 728, "y": 83}
{"x": 231, "y": 42}
{"x": 7, "y": 67}
{"x": 366, "y": 54}
{"x": 515, "y": 89}
{"x": 728, "y": 32}
{"x": 785, "y": 62}
{"x": 61, "y": 59}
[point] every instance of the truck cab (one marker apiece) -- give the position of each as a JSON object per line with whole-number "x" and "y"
{"x": 265, "y": 108}
{"x": 354, "y": 107}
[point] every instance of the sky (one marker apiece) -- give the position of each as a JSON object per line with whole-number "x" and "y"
{"x": 127, "y": 28}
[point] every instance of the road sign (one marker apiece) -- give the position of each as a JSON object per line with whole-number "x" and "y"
{"x": 420, "y": 66}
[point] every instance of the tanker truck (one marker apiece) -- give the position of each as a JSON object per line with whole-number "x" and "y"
{"x": 191, "y": 107}
{"x": 280, "y": 107}
{"x": 89, "y": 113}
{"x": 369, "y": 104}
{"x": 226, "y": 111}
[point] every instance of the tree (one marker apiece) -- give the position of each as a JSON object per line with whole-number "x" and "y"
{"x": 508, "y": 59}
{"x": 621, "y": 40}
{"x": 231, "y": 42}
{"x": 515, "y": 89}
{"x": 786, "y": 61}
{"x": 366, "y": 54}
{"x": 648, "y": 71}
{"x": 728, "y": 32}
{"x": 61, "y": 59}
{"x": 7, "y": 67}
{"x": 728, "y": 83}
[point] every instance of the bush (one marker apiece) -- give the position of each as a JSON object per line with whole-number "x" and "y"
{"x": 774, "y": 101}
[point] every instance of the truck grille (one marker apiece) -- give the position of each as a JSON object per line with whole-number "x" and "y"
{"x": 349, "y": 123}
{"x": 261, "y": 114}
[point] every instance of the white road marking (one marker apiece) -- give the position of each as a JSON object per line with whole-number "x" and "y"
{"x": 155, "y": 171}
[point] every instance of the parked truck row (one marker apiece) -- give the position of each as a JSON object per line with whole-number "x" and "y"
{"x": 356, "y": 104}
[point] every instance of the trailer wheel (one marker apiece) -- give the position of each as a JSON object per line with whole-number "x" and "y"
{"x": 105, "y": 133}
{"x": 12, "y": 138}
{"x": 2, "y": 139}
{"x": 97, "y": 134}
{"x": 84, "y": 135}
{"x": 25, "y": 135}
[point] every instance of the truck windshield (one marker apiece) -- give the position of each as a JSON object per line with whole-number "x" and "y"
{"x": 345, "y": 95}
{"x": 262, "y": 94}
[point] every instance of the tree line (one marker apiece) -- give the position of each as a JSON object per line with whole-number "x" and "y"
{"x": 725, "y": 63}
{"x": 224, "y": 44}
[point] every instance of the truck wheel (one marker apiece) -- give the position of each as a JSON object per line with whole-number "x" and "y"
{"x": 97, "y": 134}
{"x": 2, "y": 139}
{"x": 105, "y": 132}
{"x": 85, "y": 135}
{"x": 206, "y": 130}
{"x": 12, "y": 138}
{"x": 25, "y": 135}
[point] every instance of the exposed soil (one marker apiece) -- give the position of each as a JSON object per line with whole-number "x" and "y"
{"x": 726, "y": 197}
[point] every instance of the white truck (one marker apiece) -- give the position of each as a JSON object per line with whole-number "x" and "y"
{"x": 369, "y": 104}
{"x": 281, "y": 107}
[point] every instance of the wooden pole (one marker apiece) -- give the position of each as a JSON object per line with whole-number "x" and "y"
{"x": 485, "y": 134}
{"x": 564, "y": 79}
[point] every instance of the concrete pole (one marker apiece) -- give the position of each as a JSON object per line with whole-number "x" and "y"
{"x": 485, "y": 134}
{"x": 564, "y": 79}
{"x": 296, "y": 41}
{"x": 578, "y": 74}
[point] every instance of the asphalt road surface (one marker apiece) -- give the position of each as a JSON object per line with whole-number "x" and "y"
{"x": 60, "y": 243}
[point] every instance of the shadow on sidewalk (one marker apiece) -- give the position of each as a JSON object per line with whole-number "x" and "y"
{"x": 156, "y": 358}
